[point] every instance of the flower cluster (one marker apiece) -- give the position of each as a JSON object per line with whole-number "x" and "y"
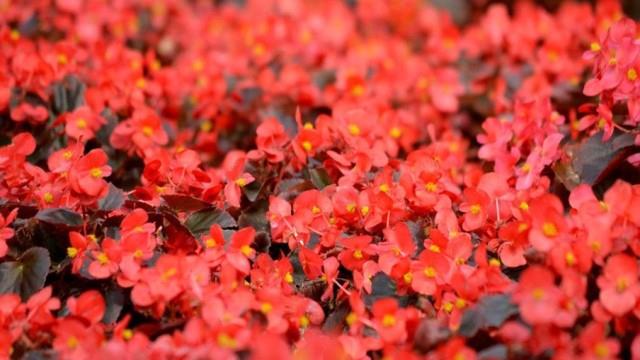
{"x": 275, "y": 179}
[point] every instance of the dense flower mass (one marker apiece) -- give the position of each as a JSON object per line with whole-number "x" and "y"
{"x": 284, "y": 179}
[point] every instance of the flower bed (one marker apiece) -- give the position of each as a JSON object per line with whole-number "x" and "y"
{"x": 319, "y": 179}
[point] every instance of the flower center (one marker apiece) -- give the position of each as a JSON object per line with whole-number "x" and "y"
{"x": 388, "y": 320}
{"x": 96, "y": 172}
{"x": 354, "y": 129}
{"x": 357, "y": 254}
{"x": 102, "y": 258}
{"x": 475, "y": 209}
{"x": 81, "y": 123}
{"x": 307, "y": 146}
{"x": 538, "y": 294}
{"x": 395, "y": 132}
{"x": 430, "y": 272}
{"x": 549, "y": 229}
{"x": 622, "y": 285}
{"x": 431, "y": 187}
{"x": 246, "y": 250}
{"x": 147, "y": 130}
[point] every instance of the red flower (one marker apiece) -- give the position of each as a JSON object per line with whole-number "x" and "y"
{"x": 431, "y": 270}
{"x": 356, "y": 251}
{"x": 86, "y": 176}
{"x": 83, "y": 123}
{"x": 6, "y": 232}
{"x": 240, "y": 250}
{"x": 537, "y": 295}
{"x": 389, "y": 321}
{"x": 619, "y": 288}
{"x": 475, "y": 208}
{"x": 105, "y": 261}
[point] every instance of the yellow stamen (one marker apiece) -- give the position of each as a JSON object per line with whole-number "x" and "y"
{"x": 395, "y": 132}
{"x": 357, "y": 254}
{"x": 475, "y": 209}
{"x": 388, "y": 320}
{"x": 430, "y": 272}
{"x": 549, "y": 229}
{"x": 96, "y": 173}
{"x": 354, "y": 129}
{"x": 246, "y": 250}
{"x": 72, "y": 252}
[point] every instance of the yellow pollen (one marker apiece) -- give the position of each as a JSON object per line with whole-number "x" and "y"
{"x": 460, "y": 260}
{"x": 147, "y": 130}
{"x": 407, "y": 277}
{"x": 601, "y": 350}
{"x": 384, "y": 188}
{"x": 595, "y": 47}
{"x": 357, "y": 254}
{"x": 62, "y": 59}
{"x": 395, "y": 132}
{"x": 431, "y": 187}
{"x": 246, "y": 250}
{"x": 459, "y": 356}
{"x": 141, "y": 83}
{"x": 241, "y": 182}
{"x": 447, "y": 306}
{"x": 604, "y": 206}
{"x": 14, "y": 35}
{"x": 570, "y": 258}
{"x": 307, "y": 146}
{"x": 138, "y": 254}
{"x": 475, "y": 209}
{"x": 596, "y": 245}
{"x": 67, "y": 155}
{"x": 266, "y": 308}
{"x": 430, "y": 272}
{"x": 353, "y": 129}
{"x": 259, "y": 49}
{"x": 526, "y": 168}
{"x": 288, "y": 278}
{"x": 308, "y": 126}
{"x": 127, "y": 334}
{"x": 72, "y": 342}
{"x": 537, "y": 294}
{"x": 315, "y": 210}
{"x": 92, "y": 238}
{"x": 524, "y": 206}
{"x": 226, "y": 341}
{"x": 303, "y": 321}
{"x": 351, "y": 207}
{"x": 632, "y": 74}
{"x": 102, "y": 258}
{"x": 549, "y": 229}
{"x": 351, "y": 319}
{"x": 169, "y": 274}
{"x": 494, "y": 262}
{"x": 388, "y": 320}
{"x": 96, "y": 173}
{"x": 197, "y": 65}
{"x": 621, "y": 284}
{"x": 460, "y": 303}
{"x": 357, "y": 90}
{"x": 72, "y": 252}
{"x": 364, "y": 210}
{"x": 209, "y": 243}
{"x": 81, "y": 123}
{"x": 47, "y": 197}
{"x": 206, "y": 126}
{"x": 522, "y": 227}
{"x": 434, "y": 248}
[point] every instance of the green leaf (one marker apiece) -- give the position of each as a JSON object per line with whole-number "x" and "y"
{"x": 382, "y": 286}
{"x": 27, "y": 275}
{"x": 113, "y": 201}
{"x": 490, "y": 312}
{"x": 319, "y": 178}
{"x": 200, "y": 221}
{"x": 60, "y": 216}
{"x": 592, "y": 160}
